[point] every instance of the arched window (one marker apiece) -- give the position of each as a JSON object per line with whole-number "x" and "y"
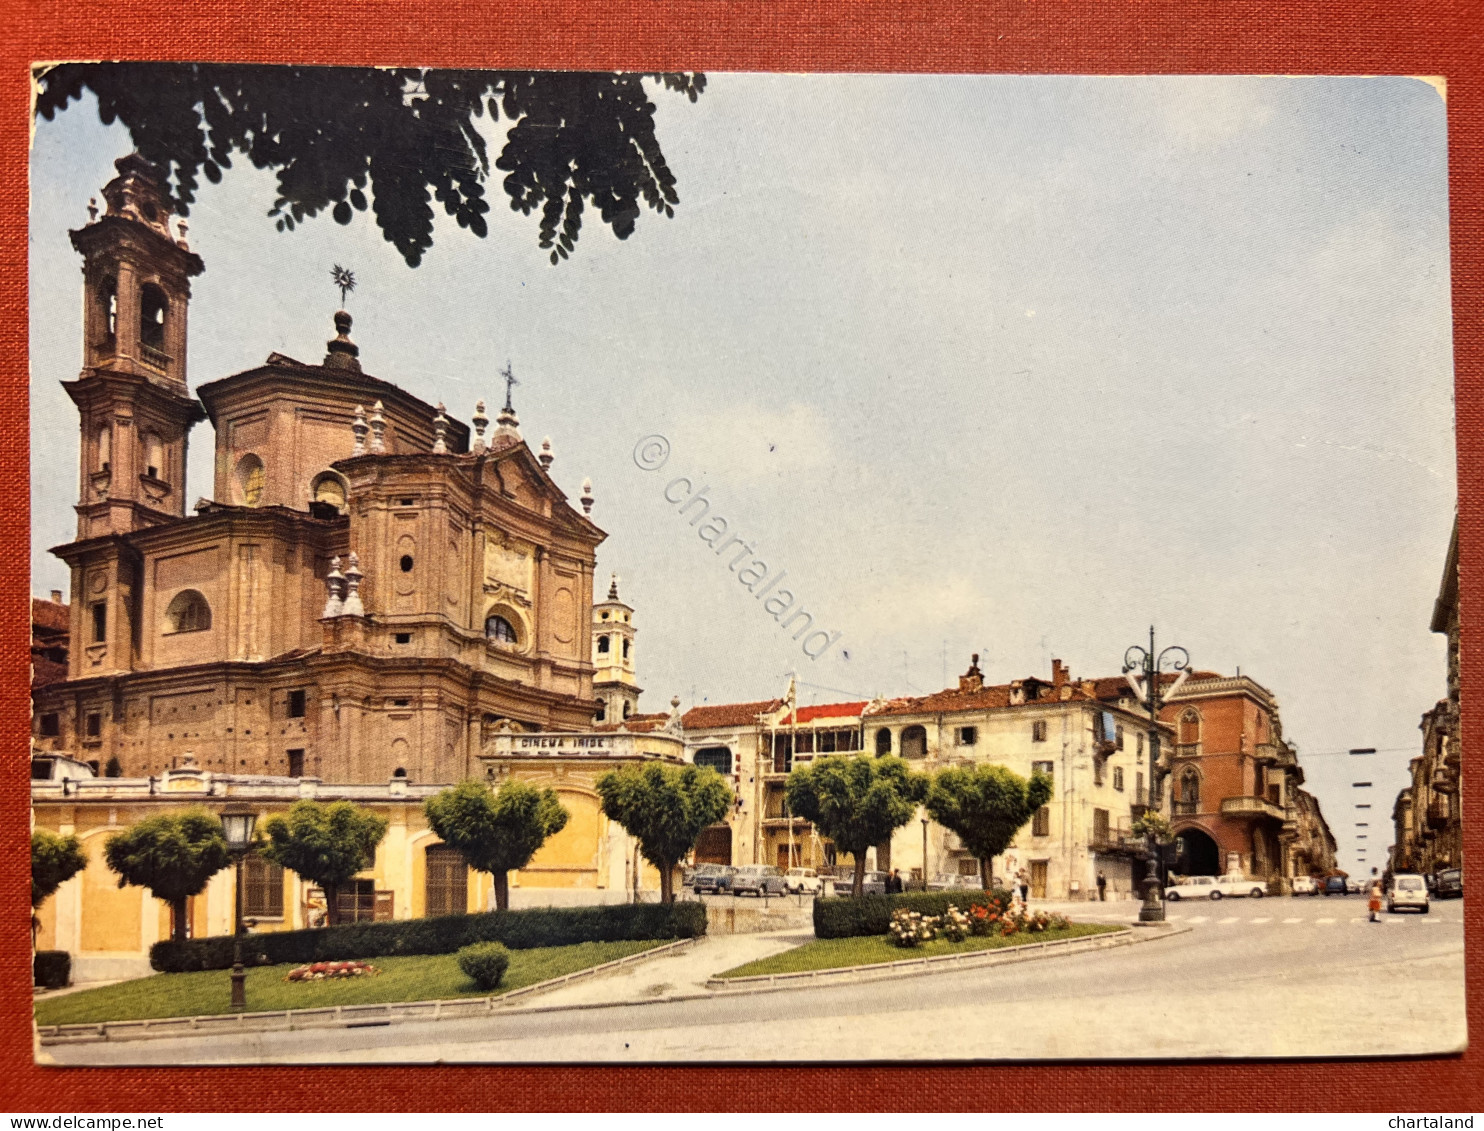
{"x": 914, "y": 742}
{"x": 152, "y": 307}
{"x": 628, "y": 709}
{"x": 250, "y": 478}
{"x": 500, "y": 630}
{"x": 108, "y": 302}
{"x": 626, "y": 644}
{"x": 603, "y": 645}
{"x": 188, "y": 612}
{"x": 602, "y": 711}
{"x": 719, "y": 758}
{"x": 328, "y": 489}
{"x": 105, "y": 447}
{"x": 1190, "y": 727}
{"x": 154, "y": 456}
{"x": 883, "y": 741}
{"x": 1190, "y": 787}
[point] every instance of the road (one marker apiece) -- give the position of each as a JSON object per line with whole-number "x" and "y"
{"x": 1277, "y": 977}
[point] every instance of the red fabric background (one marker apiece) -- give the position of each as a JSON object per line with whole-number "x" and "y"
{"x": 1419, "y": 37}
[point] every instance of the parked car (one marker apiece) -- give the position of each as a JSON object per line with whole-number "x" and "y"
{"x": 1305, "y": 885}
{"x": 802, "y": 881}
{"x": 1356, "y": 885}
{"x": 758, "y": 879}
{"x": 1407, "y": 890}
{"x": 1450, "y": 884}
{"x": 875, "y": 883}
{"x": 1239, "y": 886}
{"x": 713, "y": 878}
{"x": 1193, "y": 887}
{"x": 952, "y": 881}
{"x": 1335, "y": 885}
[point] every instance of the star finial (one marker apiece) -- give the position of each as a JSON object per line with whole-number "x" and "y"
{"x": 344, "y": 279}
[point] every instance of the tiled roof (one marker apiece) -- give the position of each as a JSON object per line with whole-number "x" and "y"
{"x": 48, "y": 614}
{"x": 634, "y": 724}
{"x": 728, "y": 714}
{"x": 831, "y": 711}
{"x": 950, "y": 700}
{"x": 45, "y": 672}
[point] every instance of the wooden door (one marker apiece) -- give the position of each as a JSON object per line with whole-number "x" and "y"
{"x": 448, "y": 882}
{"x": 1038, "y": 879}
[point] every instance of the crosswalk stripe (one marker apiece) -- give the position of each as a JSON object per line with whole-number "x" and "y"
{"x": 1197, "y": 919}
{"x": 1293, "y": 920}
{"x": 1265, "y": 919}
{"x": 1228, "y": 919}
{"x": 1324, "y": 920}
{"x": 1394, "y": 919}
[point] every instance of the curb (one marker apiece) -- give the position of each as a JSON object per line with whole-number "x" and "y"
{"x": 334, "y": 1016}
{"x": 912, "y": 967}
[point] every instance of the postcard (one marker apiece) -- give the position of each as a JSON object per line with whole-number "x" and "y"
{"x": 606, "y": 567}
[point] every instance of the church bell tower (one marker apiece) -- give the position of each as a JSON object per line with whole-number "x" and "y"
{"x": 134, "y": 405}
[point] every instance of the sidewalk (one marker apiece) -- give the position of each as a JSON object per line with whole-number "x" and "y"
{"x": 683, "y": 973}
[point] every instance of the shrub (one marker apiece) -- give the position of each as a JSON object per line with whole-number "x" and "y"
{"x": 52, "y": 969}
{"x": 910, "y": 928}
{"x": 518, "y": 930}
{"x": 954, "y": 925}
{"x": 485, "y": 962}
{"x": 848, "y": 917}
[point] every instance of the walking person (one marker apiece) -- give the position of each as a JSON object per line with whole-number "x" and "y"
{"x": 894, "y": 883}
{"x": 1023, "y": 881}
{"x": 1375, "y": 901}
{"x": 1102, "y": 888}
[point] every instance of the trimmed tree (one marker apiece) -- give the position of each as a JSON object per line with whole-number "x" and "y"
{"x": 496, "y": 832}
{"x": 986, "y": 805}
{"x": 664, "y": 807}
{"x": 324, "y": 844}
{"x": 857, "y": 802}
{"x": 173, "y": 855}
{"x": 55, "y": 859}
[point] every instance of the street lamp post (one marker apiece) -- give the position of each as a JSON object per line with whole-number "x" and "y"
{"x": 1146, "y": 685}
{"x": 237, "y": 823}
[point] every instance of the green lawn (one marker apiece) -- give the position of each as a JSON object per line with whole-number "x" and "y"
{"x": 831, "y": 954}
{"x": 408, "y": 978}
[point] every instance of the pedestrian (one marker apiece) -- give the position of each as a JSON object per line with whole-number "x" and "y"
{"x": 1023, "y": 881}
{"x": 1102, "y": 888}
{"x": 894, "y": 882}
{"x": 1375, "y": 901}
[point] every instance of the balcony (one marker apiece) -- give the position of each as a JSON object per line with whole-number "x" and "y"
{"x": 1250, "y": 807}
{"x": 1437, "y": 813}
{"x": 154, "y": 358}
{"x": 1442, "y": 781}
{"x": 1187, "y": 750}
{"x": 1108, "y": 840}
{"x": 1185, "y": 808}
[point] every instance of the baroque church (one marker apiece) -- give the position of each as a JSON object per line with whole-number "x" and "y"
{"x": 371, "y": 589}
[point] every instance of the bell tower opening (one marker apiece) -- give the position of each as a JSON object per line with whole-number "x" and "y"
{"x": 134, "y": 404}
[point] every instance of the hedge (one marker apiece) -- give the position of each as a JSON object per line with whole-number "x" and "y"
{"x": 843, "y": 917}
{"x": 519, "y": 930}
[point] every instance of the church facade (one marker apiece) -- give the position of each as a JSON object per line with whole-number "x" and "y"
{"x": 369, "y": 589}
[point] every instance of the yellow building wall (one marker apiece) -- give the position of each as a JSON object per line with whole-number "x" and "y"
{"x": 111, "y": 915}
{"x": 570, "y": 858}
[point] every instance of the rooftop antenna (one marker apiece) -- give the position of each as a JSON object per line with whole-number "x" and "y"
{"x": 344, "y": 279}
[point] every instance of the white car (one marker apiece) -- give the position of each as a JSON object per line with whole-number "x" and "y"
{"x": 802, "y": 881}
{"x": 1215, "y": 887}
{"x": 1305, "y": 885}
{"x": 1407, "y": 891}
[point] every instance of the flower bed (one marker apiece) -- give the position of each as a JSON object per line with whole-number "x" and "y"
{"x": 319, "y": 971}
{"x": 995, "y": 916}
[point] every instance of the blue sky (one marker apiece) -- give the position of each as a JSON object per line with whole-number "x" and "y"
{"x": 1008, "y": 364}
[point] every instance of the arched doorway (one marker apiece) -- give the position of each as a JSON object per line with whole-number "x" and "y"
{"x": 1196, "y": 854}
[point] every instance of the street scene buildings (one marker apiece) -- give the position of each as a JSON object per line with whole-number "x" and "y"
{"x": 377, "y": 598}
